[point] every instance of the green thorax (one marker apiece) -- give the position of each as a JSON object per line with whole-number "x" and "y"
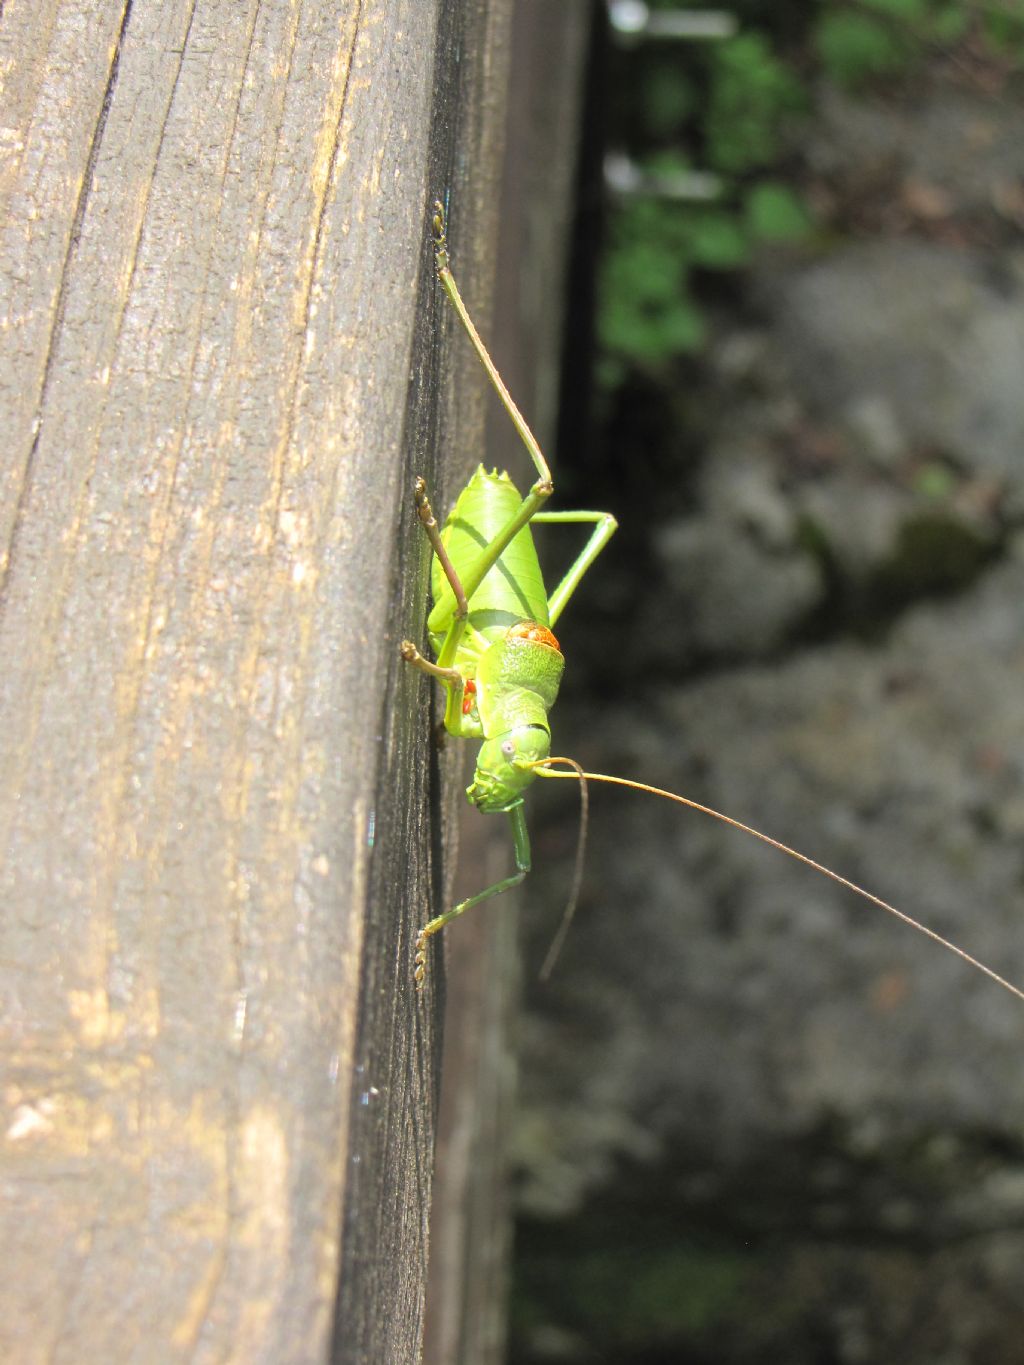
{"x": 517, "y": 679}
{"x": 516, "y": 686}
{"x": 513, "y": 590}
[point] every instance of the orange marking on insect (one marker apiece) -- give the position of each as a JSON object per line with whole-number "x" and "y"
{"x": 468, "y": 696}
{"x": 533, "y": 630}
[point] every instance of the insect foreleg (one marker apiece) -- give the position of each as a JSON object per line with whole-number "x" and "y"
{"x": 451, "y": 677}
{"x": 604, "y": 528}
{"x": 521, "y": 847}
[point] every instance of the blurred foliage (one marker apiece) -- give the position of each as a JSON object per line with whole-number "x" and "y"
{"x": 775, "y": 213}
{"x": 1004, "y": 29}
{"x": 882, "y": 37}
{"x": 737, "y": 105}
{"x": 749, "y": 95}
{"x": 648, "y": 310}
{"x": 734, "y": 109}
{"x": 856, "y": 42}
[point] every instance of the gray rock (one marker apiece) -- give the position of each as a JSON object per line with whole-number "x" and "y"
{"x": 922, "y": 329}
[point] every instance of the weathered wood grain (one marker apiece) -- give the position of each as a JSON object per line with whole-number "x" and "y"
{"x": 218, "y": 372}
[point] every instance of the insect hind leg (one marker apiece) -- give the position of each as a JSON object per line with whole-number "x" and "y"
{"x": 544, "y": 485}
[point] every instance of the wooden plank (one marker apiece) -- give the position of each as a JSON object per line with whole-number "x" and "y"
{"x": 218, "y": 372}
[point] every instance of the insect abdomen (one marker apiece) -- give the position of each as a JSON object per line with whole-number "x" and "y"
{"x": 513, "y": 590}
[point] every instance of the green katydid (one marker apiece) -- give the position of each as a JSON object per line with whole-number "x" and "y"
{"x": 496, "y": 657}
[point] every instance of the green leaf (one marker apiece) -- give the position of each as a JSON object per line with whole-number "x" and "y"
{"x": 949, "y": 23}
{"x": 855, "y": 47}
{"x": 1005, "y": 32}
{"x": 718, "y": 241}
{"x": 774, "y": 213}
{"x": 910, "y": 11}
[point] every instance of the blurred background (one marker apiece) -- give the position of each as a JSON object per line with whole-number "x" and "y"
{"x": 760, "y": 1119}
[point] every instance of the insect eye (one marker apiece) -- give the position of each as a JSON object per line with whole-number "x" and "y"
{"x": 508, "y": 748}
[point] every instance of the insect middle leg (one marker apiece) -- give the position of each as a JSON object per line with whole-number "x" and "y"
{"x": 454, "y": 682}
{"x": 605, "y": 526}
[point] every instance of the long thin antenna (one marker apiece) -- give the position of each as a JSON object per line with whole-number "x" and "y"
{"x": 544, "y": 769}
{"x": 577, "y": 872}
